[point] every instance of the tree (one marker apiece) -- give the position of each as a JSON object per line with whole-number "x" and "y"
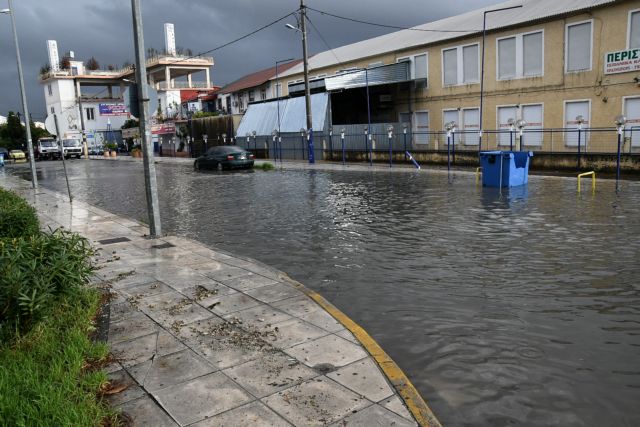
{"x": 92, "y": 64}
{"x": 65, "y": 63}
{"x": 45, "y": 69}
{"x": 130, "y": 123}
{"x": 12, "y": 132}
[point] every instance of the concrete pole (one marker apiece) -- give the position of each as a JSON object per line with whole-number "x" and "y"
{"x": 25, "y": 109}
{"x": 150, "y": 181}
{"x": 82, "y": 128}
{"x": 307, "y": 91}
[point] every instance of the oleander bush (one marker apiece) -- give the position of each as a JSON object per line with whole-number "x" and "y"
{"x": 17, "y": 217}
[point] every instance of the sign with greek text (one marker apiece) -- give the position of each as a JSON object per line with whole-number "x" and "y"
{"x": 113, "y": 110}
{"x": 623, "y": 61}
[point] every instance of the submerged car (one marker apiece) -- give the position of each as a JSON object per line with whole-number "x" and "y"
{"x": 17, "y": 156}
{"x": 71, "y": 148}
{"x": 225, "y": 157}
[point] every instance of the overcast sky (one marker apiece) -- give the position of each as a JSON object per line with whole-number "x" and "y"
{"x": 104, "y": 29}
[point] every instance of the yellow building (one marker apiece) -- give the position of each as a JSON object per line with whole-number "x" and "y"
{"x": 552, "y": 63}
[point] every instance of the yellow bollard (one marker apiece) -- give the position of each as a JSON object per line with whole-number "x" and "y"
{"x": 592, "y": 174}
{"x": 478, "y": 172}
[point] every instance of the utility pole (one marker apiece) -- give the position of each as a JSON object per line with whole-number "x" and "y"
{"x": 25, "y": 109}
{"x": 150, "y": 181}
{"x": 76, "y": 85}
{"x": 307, "y": 91}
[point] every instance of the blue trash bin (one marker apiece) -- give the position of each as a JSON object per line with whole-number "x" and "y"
{"x": 505, "y": 168}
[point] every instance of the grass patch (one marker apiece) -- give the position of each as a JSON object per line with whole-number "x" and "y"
{"x": 51, "y": 376}
{"x": 266, "y": 166}
{"x": 17, "y": 217}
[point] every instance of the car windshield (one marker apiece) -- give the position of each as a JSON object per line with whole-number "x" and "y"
{"x": 47, "y": 143}
{"x": 71, "y": 143}
{"x": 224, "y": 150}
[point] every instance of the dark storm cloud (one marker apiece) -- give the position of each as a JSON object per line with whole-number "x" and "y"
{"x": 103, "y": 29}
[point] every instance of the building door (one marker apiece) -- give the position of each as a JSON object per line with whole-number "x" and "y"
{"x": 573, "y": 109}
{"x": 532, "y": 114}
{"x": 632, "y": 128}
{"x": 421, "y": 127}
{"x": 504, "y": 114}
{"x": 471, "y": 126}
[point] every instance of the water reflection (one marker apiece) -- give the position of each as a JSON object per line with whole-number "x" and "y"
{"x": 519, "y": 306}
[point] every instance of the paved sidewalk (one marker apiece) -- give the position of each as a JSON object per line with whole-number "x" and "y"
{"x": 205, "y": 338}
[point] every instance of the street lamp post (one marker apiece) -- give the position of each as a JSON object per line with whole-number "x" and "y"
{"x": 579, "y": 121}
{"x": 331, "y": 143}
{"x": 484, "y": 36}
{"x": 620, "y": 122}
{"x": 255, "y": 143}
{"x": 512, "y": 126}
{"x": 366, "y": 141}
{"x": 307, "y": 91}
{"x": 343, "y": 149}
{"x": 520, "y": 124}
{"x": 274, "y": 136}
{"x": 25, "y": 108}
{"x": 390, "y": 135}
{"x": 449, "y": 126}
{"x": 404, "y": 137}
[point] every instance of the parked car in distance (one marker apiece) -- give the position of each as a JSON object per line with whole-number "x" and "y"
{"x": 17, "y": 156}
{"x": 96, "y": 150}
{"x": 71, "y": 148}
{"x": 224, "y": 157}
{"x": 47, "y": 148}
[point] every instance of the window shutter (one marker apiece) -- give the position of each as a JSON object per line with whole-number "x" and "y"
{"x": 579, "y": 47}
{"x": 450, "y": 58}
{"x": 532, "y": 114}
{"x": 532, "y": 54}
{"x": 634, "y": 31}
{"x": 420, "y": 64}
{"x": 507, "y": 58}
{"x": 470, "y": 63}
{"x": 504, "y": 114}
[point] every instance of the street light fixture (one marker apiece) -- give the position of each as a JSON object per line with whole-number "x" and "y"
{"x": 450, "y": 127}
{"x": 390, "y": 134}
{"x": 25, "y": 108}
{"x": 484, "y": 36}
{"x": 520, "y": 124}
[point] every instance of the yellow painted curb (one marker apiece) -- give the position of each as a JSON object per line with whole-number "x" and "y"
{"x": 416, "y": 404}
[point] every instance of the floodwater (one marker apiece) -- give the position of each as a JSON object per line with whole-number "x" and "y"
{"x": 520, "y": 308}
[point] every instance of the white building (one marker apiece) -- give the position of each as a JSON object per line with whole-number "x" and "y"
{"x": 93, "y": 100}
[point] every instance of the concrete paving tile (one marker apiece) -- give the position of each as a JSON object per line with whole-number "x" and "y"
{"x": 202, "y": 397}
{"x": 316, "y": 402}
{"x": 250, "y": 281}
{"x": 120, "y": 311}
{"x": 324, "y": 320}
{"x": 136, "y": 325}
{"x": 225, "y": 273}
{"x": 209, "y": 265}
{"x": 254, "y": 414}
{"x": 206, "y": 293}
{"x": 132, "y": 278}
{"x": 119, "y": 379}
{"x": 374, "y": 416}
{"x": 170, "y": 369}
{"x": 260, "y": 317}
{"x": 143, "y": 348}
{"x": 364, "y": 378}
{"x": 231, "y": 303}
{"x": 143, "y": 290}
{"x": 327, "y": 353}
{"x": 295, "y": 331}
{"x": 270, "y": 374}
{"x": 396, "y": 405}
{"x": 171, "y": 307}
{"x": 348, "y": 336}
{"x": 144, "y": 412}
{"x": 273, "y": 293}
{"x": 297, "y": 306}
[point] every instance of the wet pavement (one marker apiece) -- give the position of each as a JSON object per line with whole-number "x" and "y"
{"x": 518, "y": 307}
{"x": 216, "y": 340}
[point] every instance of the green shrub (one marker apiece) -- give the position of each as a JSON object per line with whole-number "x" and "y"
{"x": 17, "y": 217}
{"x": 266, "y": 166}
{"x": 35, "y": 272}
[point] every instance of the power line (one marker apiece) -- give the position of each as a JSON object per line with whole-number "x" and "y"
{"x": 324, "y": 41}
{"x": 395, "y": 27}
{"x": 264, "y": 27}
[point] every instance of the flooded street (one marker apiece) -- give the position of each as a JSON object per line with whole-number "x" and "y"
{"x": 515, "y": 308}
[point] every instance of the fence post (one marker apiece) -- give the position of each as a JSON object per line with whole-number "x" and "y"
{"x": 343, "y": 150}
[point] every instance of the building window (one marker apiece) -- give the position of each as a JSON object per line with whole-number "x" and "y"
{"x": 90, "y": 113}
{"x": 573, "y": 109}
{"x": 418, "y": 68}
{"x": 421, "y": 128}
{"x": 460, "y": 65}
{"x": 252, "y": 96}
{"x": 531, "y": 113}
{"x": 263, "y": 94}
{"x": 277, "y": 90}
{"x": 520, "y": 56}
{"x": 634, "y": 29}
{"x": 470, "y": 126}
{"x": 631, "y": 110}
{"x": 53, "y": 110}
{"x": 506, "y": 135}
{"x": 578, "y": 46}
{"x": 452, "y": 115}
{"x": 49, "y": 89}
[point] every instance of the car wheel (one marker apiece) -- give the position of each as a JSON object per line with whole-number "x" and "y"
{"x": 196, "y": 165}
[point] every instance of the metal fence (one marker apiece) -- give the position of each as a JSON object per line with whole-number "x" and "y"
{"x": 357, "y": 145}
